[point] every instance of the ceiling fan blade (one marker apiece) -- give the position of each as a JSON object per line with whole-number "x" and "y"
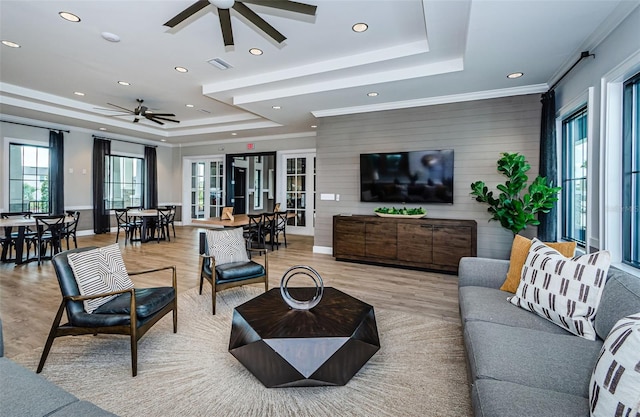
{"x": 225, "y": 25}
{"x": 136, "y": 120}
{"x": 186, "y": 13}
{"x": 168, "y": 120}
{"x": 154, "y": 120}
{"x": 258, "y": 21}
{"x": 154, "y": 114}
{"x": 292, "y": 6}
{"x": 122, "y": 108}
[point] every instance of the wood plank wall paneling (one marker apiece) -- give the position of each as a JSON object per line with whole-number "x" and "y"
{"x": 478, "y": 132}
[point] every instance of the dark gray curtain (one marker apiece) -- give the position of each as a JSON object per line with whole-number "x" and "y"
{"x": 101, "y": 219}
{"x": 56, "y": 172}
{"x": 547, "y": 230}
{"x": 150, "y": 177}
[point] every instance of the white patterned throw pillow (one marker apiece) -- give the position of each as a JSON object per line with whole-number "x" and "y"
{"x": 227, "y": 245}
{"x": 99, "y": 271}
{"x": 563, "y": 290}
{"x": 615, "y": 382}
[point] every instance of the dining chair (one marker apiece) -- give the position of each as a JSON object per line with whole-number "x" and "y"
{"x": 252, "y": 232}
{"x": 162, "y": 225}
{"x": 122, "y": 218}
{"x": 49, "y": 229}
{"x": 171, "y": 219}
{"x": 71, "y": 228}
{"x": 267, "y": 228}
{"x": 280, "y": 228}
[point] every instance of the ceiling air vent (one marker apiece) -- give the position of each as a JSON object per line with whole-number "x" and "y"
{"x": 219, "y": 63}
{"x": 204, "y": 111}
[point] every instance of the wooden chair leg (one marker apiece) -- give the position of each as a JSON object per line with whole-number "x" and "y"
{"x": 213, "y": 298}
{"x": 52, "y": 336}
{"x": 175, "y": 315}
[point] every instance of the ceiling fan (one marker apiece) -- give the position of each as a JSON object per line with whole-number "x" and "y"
{"x": 143, "y": 111}
{"x": 240, "y": 7}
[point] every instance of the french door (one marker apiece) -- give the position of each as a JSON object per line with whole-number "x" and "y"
{"x": 206, "y": 191}
{"x": 297, "y": 195}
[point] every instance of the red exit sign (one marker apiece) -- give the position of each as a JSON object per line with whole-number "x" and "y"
{"x": 250, "y": 146}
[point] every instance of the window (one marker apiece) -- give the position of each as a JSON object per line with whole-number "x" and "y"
{"x": 631, "y": 172}
{"x": 124, "y": 183}
{"x": 28, "y": 178}
{"x": 574, "y": 177}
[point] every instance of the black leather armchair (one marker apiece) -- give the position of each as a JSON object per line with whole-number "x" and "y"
{"x": 232, "y": 274}
{"x": 113, "y": 317}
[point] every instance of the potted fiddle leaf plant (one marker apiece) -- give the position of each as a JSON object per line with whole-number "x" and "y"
{"x": 516, "y": 207}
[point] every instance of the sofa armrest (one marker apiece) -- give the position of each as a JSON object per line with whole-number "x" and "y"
{"x": 482, "y": 272}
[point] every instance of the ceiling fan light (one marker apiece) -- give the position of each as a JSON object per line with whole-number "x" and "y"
{"x": 255, "y": 51}
{"x": 222, "y": 4}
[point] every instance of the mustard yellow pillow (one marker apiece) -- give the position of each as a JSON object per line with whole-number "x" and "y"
{"x": 519, "y": 252}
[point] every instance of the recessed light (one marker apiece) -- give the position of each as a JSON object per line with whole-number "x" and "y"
{"x": 69, "y": 16}
{"x": 255, "y": 51}
{"x": 123, "y": 83}
{"x": 276, "y": 107}
{"x": 163, "y": 140}
{"x": 515, "y": 75}
{"x": 78, "y": 93}
{"x": 234, "y": 134}
{"x": 10, "y": 44}
{"x": 372, "y": 94}
{"x": 314, "y": 126}
{"x": 111, "y": 37}
{"x": 181, "y": 69}
{"x": 190, "y": 106}
{"x": 103, "y": 128}
{"x": 360, "y": 27}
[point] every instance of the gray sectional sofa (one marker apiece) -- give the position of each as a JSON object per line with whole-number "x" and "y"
{"x": 521, "y": 364}
{"x": 23, "y": 393}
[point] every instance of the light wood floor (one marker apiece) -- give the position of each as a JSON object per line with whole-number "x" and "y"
{"x": 30, "y": 296}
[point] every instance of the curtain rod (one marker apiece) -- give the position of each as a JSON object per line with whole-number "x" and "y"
{"x": 39, "y": 127}
{"x": 122, "y": 140}
{"x": 583, "y": 55}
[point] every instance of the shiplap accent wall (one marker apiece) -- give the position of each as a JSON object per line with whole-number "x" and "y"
{"x": 478, "y": 132}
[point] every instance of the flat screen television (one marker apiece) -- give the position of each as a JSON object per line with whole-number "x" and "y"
{"x": 407, "y": 177}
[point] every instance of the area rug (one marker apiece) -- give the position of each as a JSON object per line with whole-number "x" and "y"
{"x": 418, "y": 371}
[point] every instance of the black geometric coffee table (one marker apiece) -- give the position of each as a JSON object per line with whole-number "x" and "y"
{"x": 282, "y": 347}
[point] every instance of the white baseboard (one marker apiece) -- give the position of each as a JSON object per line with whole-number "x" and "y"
{"x": 327, "y": 250}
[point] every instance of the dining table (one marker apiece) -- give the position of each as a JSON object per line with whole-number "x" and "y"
{"x": 22, "y": 223}
{"x": 145, "y": 215}
{"x": 239, "y": 220}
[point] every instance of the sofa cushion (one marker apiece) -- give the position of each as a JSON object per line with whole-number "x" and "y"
{"x": 491, "y": 305}
{"x": 519, "y": 251}
{"x": 81, "y": 408}
{"x": 539, "y": 359}
{"x": 227, "y": 246}
{"x": 620, "y": 298}
{"x": 506, "y": 399}
{"x": 24, "y": 393}
{"x": 615, "y": 382}
{"x": 99, "y": 271}
{"x": 565, "y": 291}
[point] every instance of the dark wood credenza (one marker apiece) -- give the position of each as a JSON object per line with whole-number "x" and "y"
{"x": 434, "y": 244}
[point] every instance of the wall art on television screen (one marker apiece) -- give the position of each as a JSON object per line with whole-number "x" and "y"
{"x": 407, "y": 177}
